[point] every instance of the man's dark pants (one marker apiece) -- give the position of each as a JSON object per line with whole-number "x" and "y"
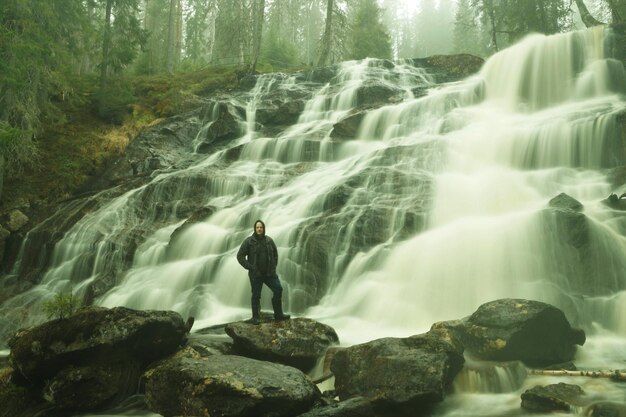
{"x": 273, "y": 283}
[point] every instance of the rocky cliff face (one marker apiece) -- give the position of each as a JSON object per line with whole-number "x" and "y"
{"x": 26, "y": 248}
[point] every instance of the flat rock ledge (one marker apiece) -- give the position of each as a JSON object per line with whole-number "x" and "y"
{"x": 298, "y": 342}
{"x": 227, "y": 385}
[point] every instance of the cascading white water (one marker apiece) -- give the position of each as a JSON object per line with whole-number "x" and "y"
{"x": 438, "y": 205}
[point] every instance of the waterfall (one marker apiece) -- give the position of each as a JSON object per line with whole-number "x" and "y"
{"x": 439, "y": 202}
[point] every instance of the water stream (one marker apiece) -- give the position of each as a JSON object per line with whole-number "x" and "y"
{"x": 438, "y": 205}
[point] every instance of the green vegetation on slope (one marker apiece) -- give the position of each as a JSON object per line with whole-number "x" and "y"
{"x": 74, "y": 148}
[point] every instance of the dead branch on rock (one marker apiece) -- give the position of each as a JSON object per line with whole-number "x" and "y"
{"x": 616, "y": 375}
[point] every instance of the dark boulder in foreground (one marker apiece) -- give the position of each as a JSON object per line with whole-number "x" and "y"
{"x": 298, "y": 342}
{"x": 555, "y": 397}
{"x": 400, "y": 376}
{"x": 95, "y": 335}
{"x": 508, "y": 329}
{"x": 227, "y": 385}
{"x": 95, "y": 357}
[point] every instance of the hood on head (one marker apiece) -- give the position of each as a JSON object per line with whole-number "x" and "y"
{"x": 254, "y": 227}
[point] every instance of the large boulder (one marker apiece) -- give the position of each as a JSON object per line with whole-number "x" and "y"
{"x": 91, "y": 386}
{"x": 227, "y": 385}
{"x": 94, "y": 336}
{"x": 400, "y": 376}
{"x": 565, "y": 202}
{"x": 549, "y": 398}
{"x": 224, "y": 125}
{"x": 348, "y": 126}
{"x": 376, "y": 93}
{"x": 533, "y": 332}
{"x": 570, "y": 221}
{"x": 17, "y": 400}
{"x": 298, "y": 342}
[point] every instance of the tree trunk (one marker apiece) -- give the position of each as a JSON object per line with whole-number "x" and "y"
{"x": 171, "y": 38}
{"x": 492, "y": 19}
{"x": 106, "y": 46}
{"x": 614, "y": 375}
{"x": 326, "y": 39}
{"x": 1, "y": 176}
{"x": 258, "y": 11}
{"x": 586, "y": 17}
{"x": 179, "y": 32}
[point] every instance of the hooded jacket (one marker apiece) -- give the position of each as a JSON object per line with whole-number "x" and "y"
{"x": 251, "y": 248}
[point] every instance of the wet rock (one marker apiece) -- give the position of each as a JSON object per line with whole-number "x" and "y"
{"x": 159, "y": 146}
{"x": 247, "y": 82}
{"x": 451, "y": 67}
{"x": 565, "y": 202}
{"x": 348, "y": 126}
{"x": 606, "y": 409}
{"x": 282, "y": 112}
{"x": 508, "y": 329}
{"x": 91, "y": 387}
{"x": 227, "y": 385}
{"x": 209, "y": 344}
{"x": 400, "y": 376}
{"x": 225, "y": 126}
{"x": 615, "y": 202}
{"x": 353, "y": 407}
{"x": 17, "y": 400}
{"x": 298, "y": 342}
{"x": 322, "y": 75}
{"x": 585, "y": 256}
{"x": 209, "y": 341}
{"x": 92, "y": 337}
{"x": 555, "y": 397}
{"x": 196, "y": 217}
{"x": 376, "y": 93}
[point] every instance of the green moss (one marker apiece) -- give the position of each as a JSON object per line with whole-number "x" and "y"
{"x": 75, "y": 146}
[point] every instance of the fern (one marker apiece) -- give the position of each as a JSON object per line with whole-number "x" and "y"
{"x": 61, "y": 306}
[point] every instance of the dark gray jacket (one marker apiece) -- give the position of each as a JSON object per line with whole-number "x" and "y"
{"x": 250, "y": 248}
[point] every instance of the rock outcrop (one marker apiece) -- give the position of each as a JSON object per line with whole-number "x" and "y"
{"x": 227, "y": 385}
{"x": 400, "y": 376}
{"x": 533, "y": 332}
{"x": 298, "y": 342}
{"x": 95, "y": 357}
{"x": 549, "y": 398}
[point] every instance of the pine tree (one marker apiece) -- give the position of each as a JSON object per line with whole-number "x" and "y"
{"x": 121, "y": 39}
{"x": 369, "y": 38}
{"x": 38, "y": 41}
{"x": 467, "y": 37}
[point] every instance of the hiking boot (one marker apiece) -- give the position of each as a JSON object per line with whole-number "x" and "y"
{"x": 254, "y": 321}
{"x": 282, "y": 317}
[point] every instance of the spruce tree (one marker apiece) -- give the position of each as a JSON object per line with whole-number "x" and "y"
{"x": 369, "y": 38}
{"x": 467, "y": 37}
{"x": 38, "y": 43}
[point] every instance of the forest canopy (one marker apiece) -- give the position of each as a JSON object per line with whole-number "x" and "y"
{"x": 45, "y": 46}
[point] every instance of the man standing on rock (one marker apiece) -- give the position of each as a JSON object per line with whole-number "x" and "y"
{"x": 258, "y": 254}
